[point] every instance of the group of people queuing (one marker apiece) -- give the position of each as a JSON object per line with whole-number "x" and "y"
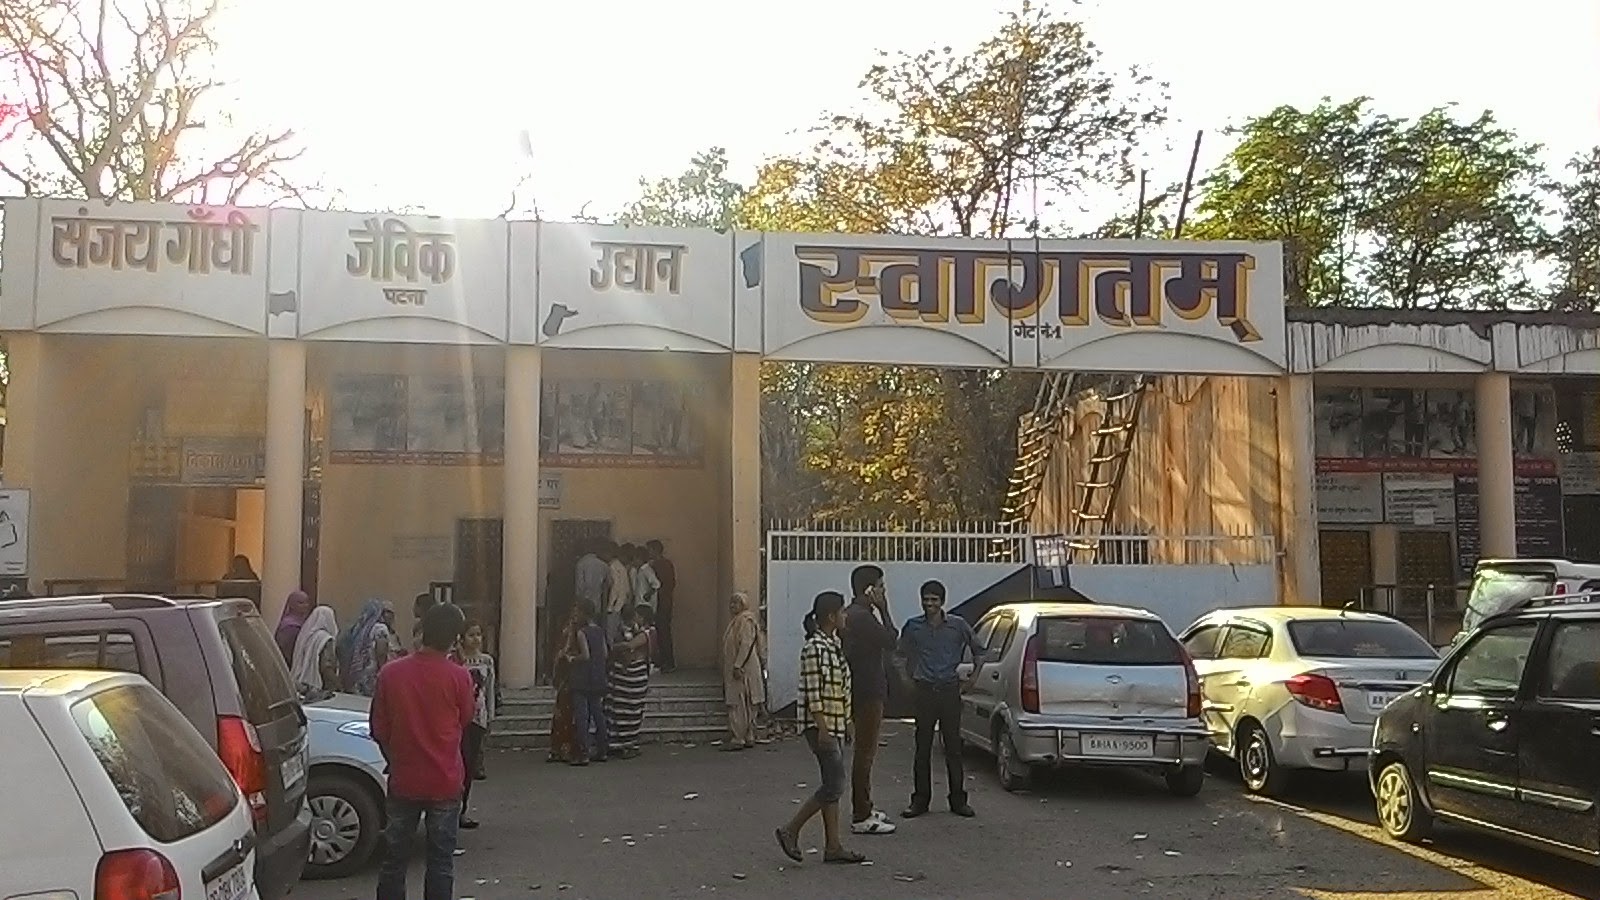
{"x": 617, "y": 631}
{"x": 433, "y": 701}
{"x": 844, "y": 683}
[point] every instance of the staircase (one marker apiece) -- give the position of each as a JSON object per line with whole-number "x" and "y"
{"x": 682, "y": 706}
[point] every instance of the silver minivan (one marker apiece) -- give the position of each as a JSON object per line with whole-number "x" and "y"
{"x": 1075, "y": 684}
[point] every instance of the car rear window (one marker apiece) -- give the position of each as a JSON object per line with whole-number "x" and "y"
{"x": 114, "y": 650}
{"x": 168, "y": 777}
{"x": 1495, "y": 590}
{"x": 1359, "y": 639}
{"x": 1101, "y": 640}
{"x": 263, "y": 679}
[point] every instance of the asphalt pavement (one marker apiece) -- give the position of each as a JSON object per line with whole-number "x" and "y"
{"x": 686, "y": 821}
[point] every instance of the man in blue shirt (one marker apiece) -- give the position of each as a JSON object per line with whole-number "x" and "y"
{"x": 933, "y": 644}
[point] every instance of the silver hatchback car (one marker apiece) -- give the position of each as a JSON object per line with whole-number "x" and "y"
{"x": 1074, "y": 684}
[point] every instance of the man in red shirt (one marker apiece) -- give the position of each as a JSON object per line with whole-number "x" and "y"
{"x": 422, "y": 704}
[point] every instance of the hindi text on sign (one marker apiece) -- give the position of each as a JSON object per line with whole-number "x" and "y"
{"x": 203, "y": 242}
{"x": 837, "y": 285}
{"x": 390, "y": 250}
{"x": 637, "y": 267}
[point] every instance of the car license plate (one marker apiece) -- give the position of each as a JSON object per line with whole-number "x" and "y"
{"x": 231, "y": 886}
{"x": 294, "y": 770}
{"x": 1118, "y": 745}
{"x": 1378, "y": 701}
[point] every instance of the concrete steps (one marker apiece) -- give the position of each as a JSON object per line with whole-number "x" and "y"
{"x": 681, "y": 707}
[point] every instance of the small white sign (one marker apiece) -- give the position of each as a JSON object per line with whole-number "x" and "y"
{"x": 1349, "y": 497}
{"x": 13, "y": 533}
{"x": 550, "y": 490}
{"x": 1580, "y": 473}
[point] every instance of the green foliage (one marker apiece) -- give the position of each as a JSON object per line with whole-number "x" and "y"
{"x": 1382, "y": 211}
{"x": 1574, "y": 245}
{"x": 702, "y": 196}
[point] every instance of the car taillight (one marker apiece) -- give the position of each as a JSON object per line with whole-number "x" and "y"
{"x": 1192, "y": 680}
{"x": 135, "y": 875}
{"x": 240, "y": 750}
{"x": 1561, "y": 588}
{"x": 1030, "y": 675}
{"x": 1316, "y": 691}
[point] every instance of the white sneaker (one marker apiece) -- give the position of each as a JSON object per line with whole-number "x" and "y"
{"x": 871, "y": 825}
{"x": 881, "y": 816}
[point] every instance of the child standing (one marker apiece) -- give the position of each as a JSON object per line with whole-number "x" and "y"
{"x": 486, "y": 695}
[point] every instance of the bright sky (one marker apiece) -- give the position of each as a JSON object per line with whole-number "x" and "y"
{"x": 413, "y": 104}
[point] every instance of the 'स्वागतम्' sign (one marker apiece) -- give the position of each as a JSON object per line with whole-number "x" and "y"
{"x": 837, "y": 285}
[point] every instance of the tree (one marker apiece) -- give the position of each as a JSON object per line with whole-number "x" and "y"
{"x": 1378, "y": 210}
{"x": 702, "y": 196}
{"x": 1574, "y": 245}
{"x": 115, "y": 93}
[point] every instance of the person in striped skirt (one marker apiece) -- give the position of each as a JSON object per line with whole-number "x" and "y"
{"x": 629, "y": 682}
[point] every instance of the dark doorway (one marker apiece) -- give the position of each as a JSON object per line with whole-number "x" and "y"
{"x": 477, "y": 584}
{"x": 569, "y": 540}
{"x": 152, "y": 537}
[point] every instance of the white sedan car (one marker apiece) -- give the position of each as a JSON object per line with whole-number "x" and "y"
{"x": 1298, "y": 687}
{"x": 112, "y": 793}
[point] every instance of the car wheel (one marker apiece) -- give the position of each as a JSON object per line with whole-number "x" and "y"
{"x": 1258, "y": 766}
{"x": 1400, "y": 809}
{"x": 1186, "y": 781}
{"x": 1014, "y": 776}
{"x": 346, "y": 822}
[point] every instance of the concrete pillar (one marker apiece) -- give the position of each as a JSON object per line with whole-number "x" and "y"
{"x": 1497, "y": 482}
{"x": 519, "y": 615}
{"x": 286, "y": 473}
{"x": 24, "y": 410}
{"x": 1300, "y": 572}
{"x": 744, "y": 467}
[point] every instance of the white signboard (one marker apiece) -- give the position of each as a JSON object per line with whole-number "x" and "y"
{"x": 416, "y": 279}
{"x": 1349, "y": 498}
{"x": 125, "y": 268}
{"x": 627, "y": 288}
{"x": 1580, "y": 473}
{"x": 13, "y": 533}
{"x": 550, "y": 490}
{"x": 1419, "y": 499}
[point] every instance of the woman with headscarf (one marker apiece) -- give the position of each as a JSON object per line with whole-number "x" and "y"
{"x": 315, "y": 667}
{"x": 563, "y": 734}
{"x": 744, "y": 659}
{"x": 368, "y": 644}
{"x": 295, "y": 611}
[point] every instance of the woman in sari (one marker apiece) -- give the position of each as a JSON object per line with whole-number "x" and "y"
{"x": 744, "y": 659}
{"x": 367, "y": 646}
{"x": 314, "y": 666}
{"x": 629, "y": 679}
{"x": 563, "y": 736}
{"x": 295, "y": 611}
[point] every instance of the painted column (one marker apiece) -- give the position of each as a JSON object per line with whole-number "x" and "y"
{"x": 24, "y": 410}
{"x": 1497, "y": 482}
{"x": 1301, "y": 569}
{"x": 744, "y": 467}
{"x": 519, "y": 616}
{"x": 286, "y": 473}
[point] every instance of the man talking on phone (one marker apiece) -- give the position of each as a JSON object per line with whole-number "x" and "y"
{"x": 869, "y": 636}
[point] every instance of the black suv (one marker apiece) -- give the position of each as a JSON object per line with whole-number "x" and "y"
{"x": 1505, "y": 734}
{"x": 216, "y": 662}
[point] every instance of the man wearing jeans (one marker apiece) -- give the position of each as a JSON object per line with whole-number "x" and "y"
{"x": 869, "y": 635}
{"x": 421, "y": 706}
{"x": 933, "y": 644}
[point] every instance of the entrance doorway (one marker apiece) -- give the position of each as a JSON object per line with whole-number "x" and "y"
{"x": 183, "y": 538}
{"x": 480, "y": 548}
{"x": 569, "y": 540}
{"x": 1346, "y": 565}
{"x": 1424, "y": 558}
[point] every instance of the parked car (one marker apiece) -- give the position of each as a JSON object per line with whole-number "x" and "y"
{"x": 1501, "y": 585}
{"x": 1072, "y": 684}
{"x": 348, "y": 785}
{"x": 217, "y": 663}
{"x": 1503, "y": 737}
{"x": 1290, "y": 688}
{"x": 114, "y": 794}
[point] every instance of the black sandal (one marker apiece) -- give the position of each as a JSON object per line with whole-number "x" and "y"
{"x": 845, "y": 857}
{"x": 790, "y": 845}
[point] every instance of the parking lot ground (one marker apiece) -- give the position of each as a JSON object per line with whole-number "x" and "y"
{"x": 690, "y": 822}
